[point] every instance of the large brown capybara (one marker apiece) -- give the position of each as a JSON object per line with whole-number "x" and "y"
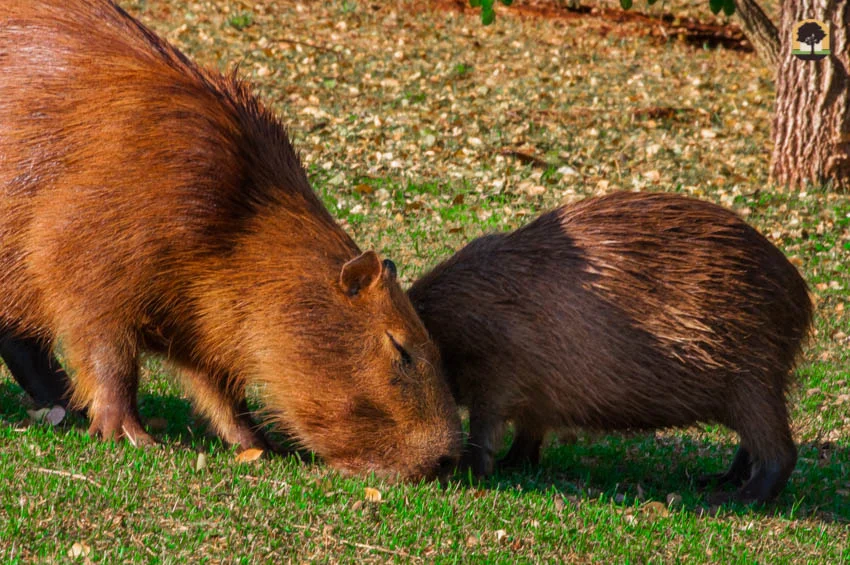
{"x": 150, "y": 205}
{"x": 629, "y": 311}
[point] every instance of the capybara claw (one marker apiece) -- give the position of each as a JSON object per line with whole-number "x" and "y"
{"x": 131, "y": 432}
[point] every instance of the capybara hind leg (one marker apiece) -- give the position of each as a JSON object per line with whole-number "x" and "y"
{"x": 768, "y": 479}
{"x": 737, "y": 474}
{"x": 525, "y": 448}
{"x": 767, "y": 435}
{"x": 485, "y": 434}
{"x": 35, "y": 368}
{"x": 225, "y": 408}
{"x": 107, "y": 382}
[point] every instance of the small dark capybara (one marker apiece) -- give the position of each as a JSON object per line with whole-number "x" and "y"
{"x": 151, "y": 205}
{"x": 628, "y": 311}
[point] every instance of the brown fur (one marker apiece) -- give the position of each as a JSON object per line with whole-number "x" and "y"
{"x": 152, "y": 205}
{"x": 630, "y": 311}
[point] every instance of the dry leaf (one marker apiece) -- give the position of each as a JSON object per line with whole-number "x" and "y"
{"x": 249, "y": 455}
{"x": 559, "y": 503}
{"x": 52, "y": 416}
{"x": 656, "y": 508}
{"x": 38, "y": 415}
{"x": 55, "y": 415}
{"x": 500, "y": 535}
{"x": 201, "y": 462}
{"x": 674, "y": 500}
{"x": 372, "y": 494}
{"x": 79, "y": 550}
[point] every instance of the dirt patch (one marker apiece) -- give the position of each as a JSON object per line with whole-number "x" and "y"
{"x": 623, "y": 23}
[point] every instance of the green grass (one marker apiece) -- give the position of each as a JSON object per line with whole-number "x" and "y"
{"x": 601, "y": 496}
{"x": 572, "y": 103}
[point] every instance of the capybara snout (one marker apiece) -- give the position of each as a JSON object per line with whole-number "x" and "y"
{"x": 151, "y": 205}
{"x": 629, "y": 311}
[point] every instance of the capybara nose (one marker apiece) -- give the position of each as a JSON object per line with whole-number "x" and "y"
{"x": 446, "y": 465}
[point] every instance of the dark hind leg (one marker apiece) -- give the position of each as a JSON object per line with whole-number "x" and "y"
{"x": 737, "y": 474}
{"x": 770, "y": 471}
{"x": 761, "y": 420}
{"x": 525, "y": 448}
{"x": 36, "y": 369}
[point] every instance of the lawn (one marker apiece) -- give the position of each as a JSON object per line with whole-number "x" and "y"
{"x": 421, "y": 129}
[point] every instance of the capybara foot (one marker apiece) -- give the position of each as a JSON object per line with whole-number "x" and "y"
{"x": 737, "y": 474}
{"x": 112, "y": 426}
{"x": 250, "y": 437}
{"x": 767, "y": 481}
{"x": 479, "y": 461}
{"x": 524, "y": 451}
{"x": 243, "y": 436}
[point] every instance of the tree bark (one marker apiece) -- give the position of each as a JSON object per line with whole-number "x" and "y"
{"x": 811, "y": 124}
{"x": 759, "y": 30}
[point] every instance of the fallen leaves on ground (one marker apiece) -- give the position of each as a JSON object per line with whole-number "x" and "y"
{"x": 52, "y": 416}
{"x": 372, "y": 494}
{"x": 249, "y": 455}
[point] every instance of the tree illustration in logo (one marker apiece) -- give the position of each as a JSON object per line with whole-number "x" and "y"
{"x": 811, "y": 34}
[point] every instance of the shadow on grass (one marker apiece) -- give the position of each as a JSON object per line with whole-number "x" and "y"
{"x": 168, "y": 418}
{"x": 625, "y": 470}
{"x": 635, "y": 470}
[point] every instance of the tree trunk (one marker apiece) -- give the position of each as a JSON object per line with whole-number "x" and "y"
{"x": 759, "y": 30}
{"x": 811, "y": 124}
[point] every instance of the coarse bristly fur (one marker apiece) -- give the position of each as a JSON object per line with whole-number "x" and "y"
{"x": 150, "y": 205}
{"x": 628, "y": 311}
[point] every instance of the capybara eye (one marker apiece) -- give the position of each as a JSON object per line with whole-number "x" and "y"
{"x": 406, "y": 359}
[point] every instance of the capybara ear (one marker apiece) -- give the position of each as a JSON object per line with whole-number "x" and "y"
{"x": 359, "y": 273}
{"x": 390, "y": 272}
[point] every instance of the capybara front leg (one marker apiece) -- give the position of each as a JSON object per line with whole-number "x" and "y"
{"x": 226, "y": 409}
{"x": 481, "y": 447}
{"x": 107, "y": 382}
{"x": 525, "y": 448}
{"x": 35, "y": 368}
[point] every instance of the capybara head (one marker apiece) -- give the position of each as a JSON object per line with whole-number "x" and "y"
{"x": 376, "y": 400}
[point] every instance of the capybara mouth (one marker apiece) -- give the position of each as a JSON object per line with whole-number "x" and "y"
{"x": 441, "y": 470}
